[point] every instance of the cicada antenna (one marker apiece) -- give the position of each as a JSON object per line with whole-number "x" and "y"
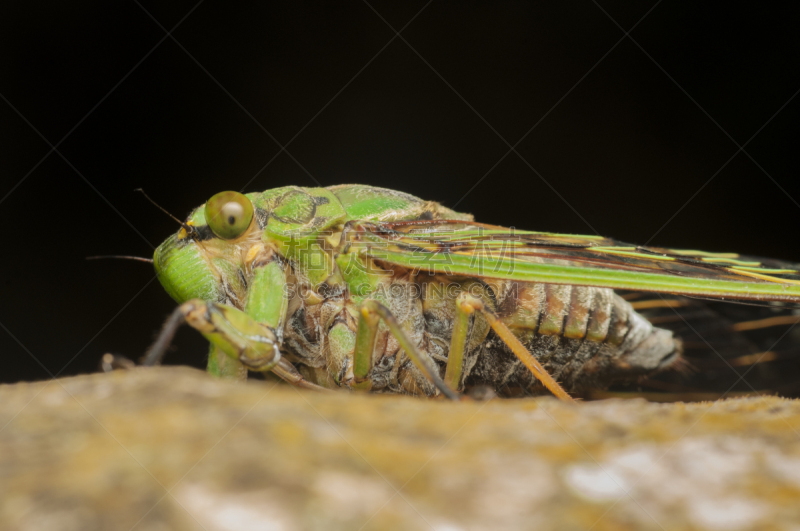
{"x": 186, "y": 227}
{"x": 121, "y": 257}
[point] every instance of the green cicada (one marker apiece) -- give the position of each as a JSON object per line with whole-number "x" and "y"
{"x": 367, "y": 288}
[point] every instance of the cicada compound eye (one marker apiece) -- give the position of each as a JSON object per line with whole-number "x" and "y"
{"x": 229, "y": 214}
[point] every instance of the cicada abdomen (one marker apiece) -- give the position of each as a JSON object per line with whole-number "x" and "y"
{"x": 587, "y": 338}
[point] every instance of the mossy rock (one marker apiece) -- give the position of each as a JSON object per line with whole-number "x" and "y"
{"x": 171, "y": 448}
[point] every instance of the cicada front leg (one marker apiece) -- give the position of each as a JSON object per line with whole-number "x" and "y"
{"x": 240, "y": 341}
{"x": 370, "y": 314}
{"x": 466, "y": 304}
{"x": 232, "y": 332}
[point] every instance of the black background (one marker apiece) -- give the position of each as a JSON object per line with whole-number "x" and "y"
{"x": 631, "y": 137}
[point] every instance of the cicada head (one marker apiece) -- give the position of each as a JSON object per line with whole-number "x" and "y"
{"x": 206, "y": 258}
{"x": 213, "y": 255}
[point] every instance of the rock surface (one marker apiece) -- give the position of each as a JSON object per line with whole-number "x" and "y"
{"x": 170, "y": 448}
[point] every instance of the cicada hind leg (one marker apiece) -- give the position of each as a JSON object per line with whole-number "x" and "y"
{"x": 370, "y": 314}
{"x": 467, "y": 304}
{"x": 589, "y": 338}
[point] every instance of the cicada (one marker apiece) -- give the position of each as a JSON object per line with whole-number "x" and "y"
{"x": 359, "y": 287}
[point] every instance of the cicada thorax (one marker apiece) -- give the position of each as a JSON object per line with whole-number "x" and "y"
{"x": 310, "y": 316}
{"x": 320, "y": 330}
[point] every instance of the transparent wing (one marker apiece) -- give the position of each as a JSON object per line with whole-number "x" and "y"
{"x": 475, "y": 249}
{"x": 738, "y": 348}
